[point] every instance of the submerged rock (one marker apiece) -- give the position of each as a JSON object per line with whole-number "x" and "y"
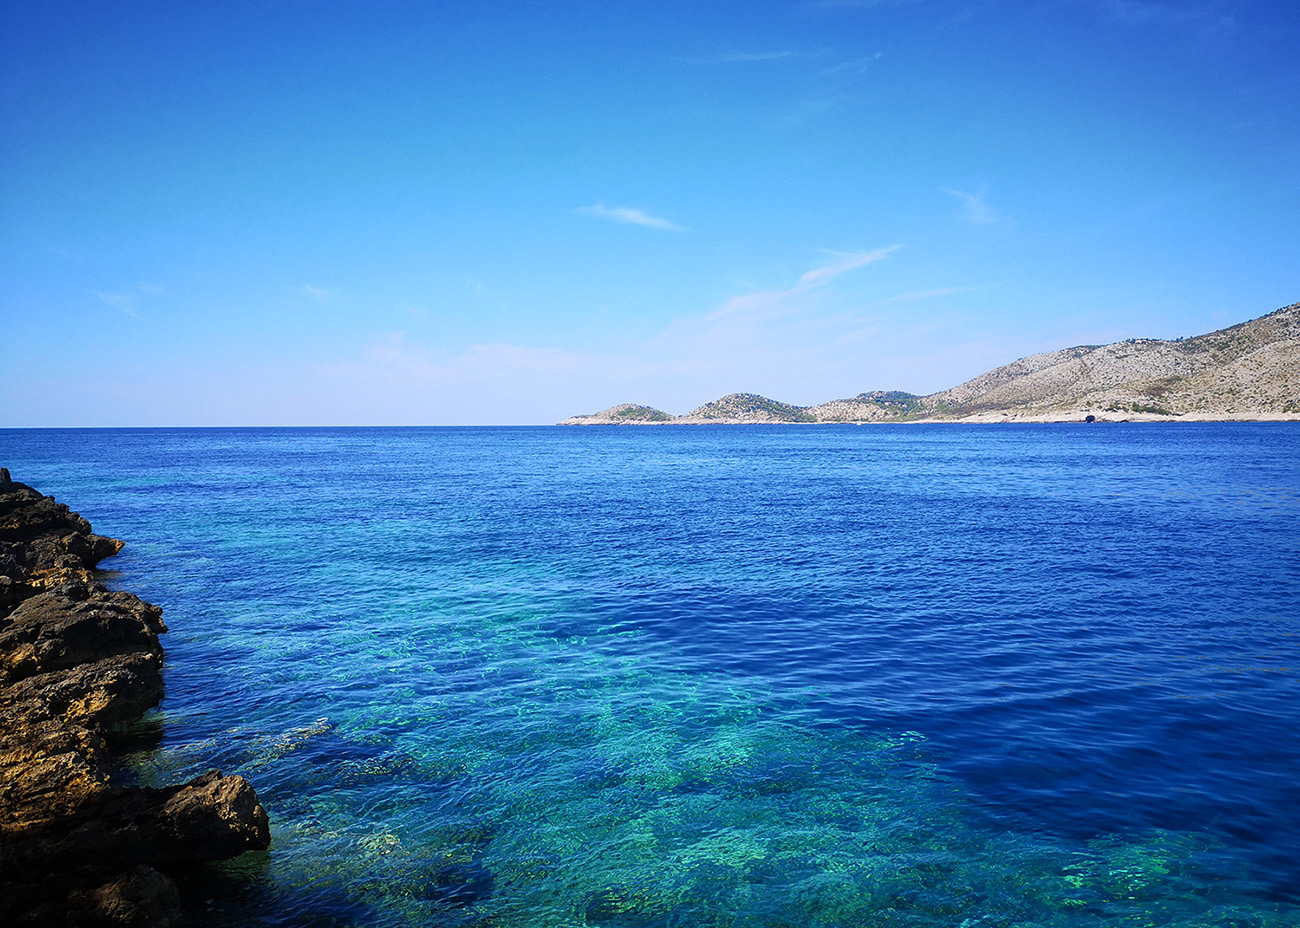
{"x": 78, "y": 661}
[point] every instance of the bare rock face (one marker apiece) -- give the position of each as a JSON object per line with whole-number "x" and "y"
{"x": 76, "y": 662}
{"x": 44, "y": 544}
{"x": 75, "y": 624}
{"x": 216, "y": 816}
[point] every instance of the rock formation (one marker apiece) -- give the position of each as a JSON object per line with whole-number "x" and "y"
{"x": 77, "y": 661}
{"x": 1248, "y": 371}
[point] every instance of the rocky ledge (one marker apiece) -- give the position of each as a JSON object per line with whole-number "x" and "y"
{"x": 77, "y": 663}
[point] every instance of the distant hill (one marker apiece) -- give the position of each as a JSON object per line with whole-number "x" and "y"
{"x": 747, "y": 407}
{"x": 625, "y": 414}
{"x": 876, "y": 406}
{"x": 1248, "y": 371}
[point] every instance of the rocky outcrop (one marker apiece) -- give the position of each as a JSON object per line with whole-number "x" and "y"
{"x": 1248, "y": 371}
{"x": 77, "y": 662}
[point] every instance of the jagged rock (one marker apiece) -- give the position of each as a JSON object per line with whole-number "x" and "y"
{"x": 49, "y": 770}
{"x": 210, "y": 818}
{"x": 76, "y": 662}
{"x": 75, "y": 624}
{"x": 214, "y": 817}
{"x": 101, "y": 695}
{"x": 43, "y": 543}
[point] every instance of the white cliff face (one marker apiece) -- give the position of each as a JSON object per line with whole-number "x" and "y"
{"x": 1247, "y": 371}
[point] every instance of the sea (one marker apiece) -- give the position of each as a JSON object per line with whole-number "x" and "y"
{"x": 760, "y": 676}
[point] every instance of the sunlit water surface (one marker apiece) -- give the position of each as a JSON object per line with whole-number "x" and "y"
{"x": 721, "y": 676}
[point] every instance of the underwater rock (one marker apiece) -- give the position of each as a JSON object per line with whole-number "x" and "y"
{"x": 78, "y": 661}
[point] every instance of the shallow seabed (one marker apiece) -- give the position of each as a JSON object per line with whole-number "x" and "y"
{"x": 763, "y": 676}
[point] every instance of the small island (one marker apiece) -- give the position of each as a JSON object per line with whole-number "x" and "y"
{"x": 1248, "y": 371}
{"x": 78, "y": 662}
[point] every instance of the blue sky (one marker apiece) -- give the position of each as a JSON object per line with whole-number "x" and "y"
{"x": 281, "y": 213}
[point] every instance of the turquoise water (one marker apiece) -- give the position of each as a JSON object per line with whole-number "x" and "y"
{"x": 759, "y": 676}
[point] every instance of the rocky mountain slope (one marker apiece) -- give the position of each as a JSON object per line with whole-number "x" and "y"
{"x": 1248, "y": 371}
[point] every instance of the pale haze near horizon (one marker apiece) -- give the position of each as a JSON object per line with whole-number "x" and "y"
{"x": 454, "y": 213}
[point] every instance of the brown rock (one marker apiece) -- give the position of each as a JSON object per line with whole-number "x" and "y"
{"x": 50, "y": 770}
{"x": 217, "y": 817}
{"x": 77, "y": 623}
{"x": 43, "y": 543}
{"x": 210, "y": 818}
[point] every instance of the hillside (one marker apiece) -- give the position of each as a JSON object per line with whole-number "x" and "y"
{"x": 747, "y": 407}
{"x": 1248, "y": 371}
{"x": 623, "y": 414}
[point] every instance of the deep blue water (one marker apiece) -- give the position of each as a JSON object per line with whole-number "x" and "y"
{"x": 724, "y": 676}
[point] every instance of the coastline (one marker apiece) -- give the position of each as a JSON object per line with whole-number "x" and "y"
{"x": 992, "y": 418}
{"x": 1249, "y": 372}
{"x": 78, "y": 663}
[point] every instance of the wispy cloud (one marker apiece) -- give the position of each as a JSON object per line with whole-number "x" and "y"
{"x": 818, "y": 336}
{"x": 975, "y": 206}
{"x": 809, "y": 280}
{"x": 750, "y": 338}
{"x": 843, "y": 264}
{"x": 319, "y": 294}
{"x": 746, "y": 57}
{"x": 126, "y": 302}
{"x": 630, "y": 216}
{"x": 854, "y": 67}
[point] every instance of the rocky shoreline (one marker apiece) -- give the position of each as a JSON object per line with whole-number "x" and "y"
{"x": 77, "y": 663}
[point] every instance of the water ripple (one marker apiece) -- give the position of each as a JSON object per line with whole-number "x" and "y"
{"x": 768, "y": 676}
